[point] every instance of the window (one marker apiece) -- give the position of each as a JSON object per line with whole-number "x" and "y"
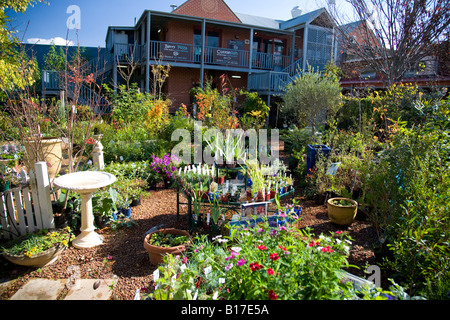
{"x": 212, "y": 38}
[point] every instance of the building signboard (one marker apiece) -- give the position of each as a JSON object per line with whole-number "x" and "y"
{"x": 226, "y": 56}
{"x": 173, "y": 51}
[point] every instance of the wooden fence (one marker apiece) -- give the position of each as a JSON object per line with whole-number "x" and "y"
{"x": 27, "y": 208}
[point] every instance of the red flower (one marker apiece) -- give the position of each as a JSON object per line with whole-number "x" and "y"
{"x": 270, "y": 271}
{"x": 272, "y": 295}
{"x": 274, "y": 256}
{"x": 312, "y": 243}
{"x": 255, "y": 266}
{"x": 261, "y": 247}
{"x": 282, "y": 248}
{"x": 90, "y": 141}
{"x": 327, "y": 249}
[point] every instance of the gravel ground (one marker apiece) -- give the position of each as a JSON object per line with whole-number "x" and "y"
{"x": 122, "y": 255}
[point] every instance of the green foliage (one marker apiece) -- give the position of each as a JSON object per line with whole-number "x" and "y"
{"x": 129, "y": 106}
{"x": 167, "y": 240}
{"x": 295, "y": 143}
{"x": 16, "y": 69}
{"x": 311, "y": 97}
{"x": 406, "y": 191}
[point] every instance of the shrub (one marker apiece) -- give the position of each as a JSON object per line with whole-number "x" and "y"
{"x": 312, "y": 97}
{"x": 407, "y": 195}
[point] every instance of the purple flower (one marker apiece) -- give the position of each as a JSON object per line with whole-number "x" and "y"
{"x": 240, "y": 262}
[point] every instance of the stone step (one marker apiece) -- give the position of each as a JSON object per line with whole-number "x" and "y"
{"x": 82, "y": 289}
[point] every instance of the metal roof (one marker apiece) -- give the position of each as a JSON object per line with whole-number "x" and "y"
{"x": 259, "y": 21}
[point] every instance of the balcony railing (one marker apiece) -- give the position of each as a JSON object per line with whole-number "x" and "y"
{"x": 268, "y": 82}
{"x": 124, "y": 52}
{"x": 188, "y": 53}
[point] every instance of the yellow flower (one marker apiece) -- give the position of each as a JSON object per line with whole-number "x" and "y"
{"x": 64, "y": 242}
{"x": 53, "y": 234}
{"x": 28, "y": 254}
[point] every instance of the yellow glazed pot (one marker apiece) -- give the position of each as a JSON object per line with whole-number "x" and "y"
{"x": 342, "y": 214}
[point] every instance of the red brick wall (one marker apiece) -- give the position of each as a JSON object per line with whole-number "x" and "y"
{"x": 211, "y": 9}
{"x": 181, "y": 31}
{"x": 180, "y": 81}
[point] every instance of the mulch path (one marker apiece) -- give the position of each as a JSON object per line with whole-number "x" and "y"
{"x": 123, "y": 257}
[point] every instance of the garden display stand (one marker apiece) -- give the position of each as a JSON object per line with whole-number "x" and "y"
{"x": 86, "y": 183}
{"x": 232, "y": 206}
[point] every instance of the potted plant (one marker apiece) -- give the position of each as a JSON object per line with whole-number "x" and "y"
{"x": 166, "y": 241}
{"x": 38, "y": 249}
{"x": 342, "y": 211}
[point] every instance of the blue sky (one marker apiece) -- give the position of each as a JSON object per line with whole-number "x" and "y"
{"x": 44, "y": 22}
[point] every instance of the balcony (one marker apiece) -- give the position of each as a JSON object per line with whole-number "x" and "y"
{"x": 187, "y": 54}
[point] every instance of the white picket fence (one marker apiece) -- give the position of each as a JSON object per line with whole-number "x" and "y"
{"x": 27, "y": 208}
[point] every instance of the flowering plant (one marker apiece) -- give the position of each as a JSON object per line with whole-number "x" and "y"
{"x": 265, "y": 263}
{"x": 165, "y": 166}
{"x": 33, "y": 243}
{"x": 286, "y": 263}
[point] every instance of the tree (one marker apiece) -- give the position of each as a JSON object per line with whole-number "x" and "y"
{"x": 395, "y": 35}
{"x": 311, "y": 96}
{"x": 126, "y": 70}
{"x": 13, "y": 66}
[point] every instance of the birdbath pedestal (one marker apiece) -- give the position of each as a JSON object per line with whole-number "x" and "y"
{"x": 86, "y": 183}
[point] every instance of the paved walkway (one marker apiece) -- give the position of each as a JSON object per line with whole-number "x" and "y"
{"x": 82, "y": 289}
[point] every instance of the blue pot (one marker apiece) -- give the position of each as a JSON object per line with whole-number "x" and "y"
{"x": 126, "y": 212}
{"x": 211, "y": 195}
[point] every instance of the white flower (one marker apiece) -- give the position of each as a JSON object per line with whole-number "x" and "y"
{"x": 236, "y": 249}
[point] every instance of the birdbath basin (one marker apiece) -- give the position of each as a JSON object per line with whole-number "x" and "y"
{"x": 86, "y": 183}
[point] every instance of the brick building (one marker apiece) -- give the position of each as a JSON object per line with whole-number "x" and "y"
{"x": 203, "y": 39}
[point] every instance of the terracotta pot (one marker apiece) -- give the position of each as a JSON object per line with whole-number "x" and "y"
{"x": 259, "y": 196}
{"x": 342, "y": 215}
{"x": 272, "y": 194}
{"x": 156, "y": 253}
{"x": 221, "y": 180}
{"x": 50, "y": 149}
{"x": 38, "y": 260}
{"x": 224, "y": 197}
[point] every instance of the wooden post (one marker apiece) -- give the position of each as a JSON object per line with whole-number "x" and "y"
{"x": 43, "y": 190}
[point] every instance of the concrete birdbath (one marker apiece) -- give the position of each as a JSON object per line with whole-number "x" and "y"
{"x": 86, "y": 183}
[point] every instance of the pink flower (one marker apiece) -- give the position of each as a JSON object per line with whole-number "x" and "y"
{"x": 233, "y": 254}
{"x": 261, "y": 247}
{"x": 184, "y": 260}
{"x": 241, "y": 262}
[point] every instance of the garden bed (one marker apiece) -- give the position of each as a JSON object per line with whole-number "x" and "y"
{"x": 122, "y": 254}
